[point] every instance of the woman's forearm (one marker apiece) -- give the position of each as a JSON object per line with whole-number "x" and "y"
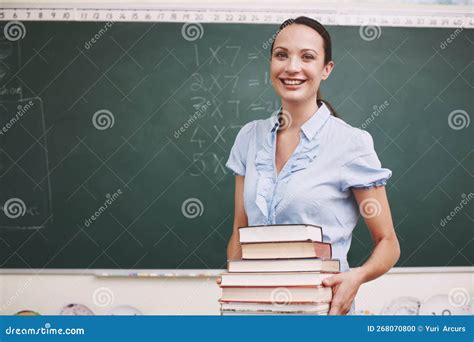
{"x": 234, "y": 252}
{"x": 385, "y": 254}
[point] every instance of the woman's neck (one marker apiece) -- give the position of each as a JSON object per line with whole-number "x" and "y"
{"x": 300, "y": 112}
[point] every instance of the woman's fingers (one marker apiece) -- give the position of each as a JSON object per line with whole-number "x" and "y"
{"x": 338, "y": 303}
{"x": 339, "y": 309}
{"x": 334, "y": 310}
{"x": 331, "y": 281}
{"x": 336, "y": 306}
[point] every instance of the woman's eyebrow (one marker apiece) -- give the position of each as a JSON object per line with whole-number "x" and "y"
{"x": 302, "y": 50}
{"x": 310, "y": 50}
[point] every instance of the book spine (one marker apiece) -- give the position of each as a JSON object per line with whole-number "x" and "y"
{"x": 323, "y": 250}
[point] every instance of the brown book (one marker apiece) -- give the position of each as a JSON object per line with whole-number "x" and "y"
{"x": 285, "y": 250}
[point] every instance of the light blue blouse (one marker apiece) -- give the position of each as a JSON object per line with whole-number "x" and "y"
{"x": 314, "y": 186}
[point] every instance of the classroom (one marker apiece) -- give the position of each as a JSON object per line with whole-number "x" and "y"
{"x": 117, "y": 120}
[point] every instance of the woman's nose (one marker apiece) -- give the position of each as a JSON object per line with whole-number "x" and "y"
{"x": 293, "y": 65}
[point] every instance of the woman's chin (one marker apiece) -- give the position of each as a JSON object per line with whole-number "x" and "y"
{"x": 293, "y": 98}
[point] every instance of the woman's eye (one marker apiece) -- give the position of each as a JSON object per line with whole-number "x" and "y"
{"x": 308, "y": 57}
{"x": 280, "y": 54}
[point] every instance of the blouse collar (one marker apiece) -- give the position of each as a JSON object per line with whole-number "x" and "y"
{"x": 313, "y": 124}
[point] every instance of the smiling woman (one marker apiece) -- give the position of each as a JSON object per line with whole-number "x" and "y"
{"x": 316, "y": 57}
{"x": 310, "y": 167}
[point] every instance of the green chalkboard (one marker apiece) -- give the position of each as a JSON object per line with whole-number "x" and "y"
{"x": 114, "y": 139}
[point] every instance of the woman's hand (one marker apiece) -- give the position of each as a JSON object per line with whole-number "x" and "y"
{"x": 344, "y": 288}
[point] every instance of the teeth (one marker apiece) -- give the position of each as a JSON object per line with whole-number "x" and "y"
{"x": 292, "y": 82}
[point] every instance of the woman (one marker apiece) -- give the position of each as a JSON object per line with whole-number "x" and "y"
{"x": 308, "y": 166}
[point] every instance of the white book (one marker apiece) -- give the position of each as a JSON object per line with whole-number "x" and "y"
{"x": 281, "y": 233}
{"x": 274, "y": 279}
{"x": 248, "y": 313}
{"x": 279, "y": 295}
{"x": 284, "y": 265}
{"x": 269, "y": 308}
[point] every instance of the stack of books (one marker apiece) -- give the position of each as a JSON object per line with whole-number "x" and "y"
{"x": 281, "y": 272}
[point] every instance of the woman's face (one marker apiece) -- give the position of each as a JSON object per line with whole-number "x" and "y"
{"x": 297, "y": 65}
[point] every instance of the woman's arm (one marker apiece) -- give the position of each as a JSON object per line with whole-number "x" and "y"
{"x": 234, "y": 252}
{"x": 374, "y": 207}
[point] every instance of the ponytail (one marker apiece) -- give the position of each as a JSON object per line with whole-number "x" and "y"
{"x": 331, "y": 109}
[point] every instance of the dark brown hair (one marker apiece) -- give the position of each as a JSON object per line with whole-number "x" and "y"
{"x": 318, "y": 27}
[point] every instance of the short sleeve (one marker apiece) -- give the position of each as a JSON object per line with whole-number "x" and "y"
{"x": 363, "y": 170}
{"x": 238, "y": 154}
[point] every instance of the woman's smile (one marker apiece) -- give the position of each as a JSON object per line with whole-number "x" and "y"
{"x": 292, "y": 83}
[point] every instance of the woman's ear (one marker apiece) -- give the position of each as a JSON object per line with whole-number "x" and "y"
{"x": 327, "y": 70}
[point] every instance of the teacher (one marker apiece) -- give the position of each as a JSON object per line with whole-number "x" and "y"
{"x": 305, "y": 165}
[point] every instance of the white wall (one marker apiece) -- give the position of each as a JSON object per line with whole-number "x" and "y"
{"x": 47, "y": 294}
